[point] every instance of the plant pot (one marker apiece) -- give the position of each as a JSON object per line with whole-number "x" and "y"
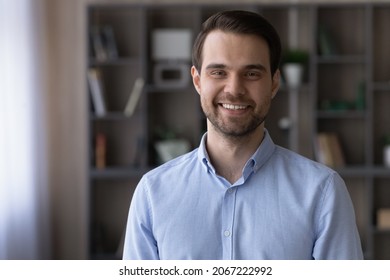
{"x": 386, "y": 156}
{"x": 293, "y": 74}
{"x": 169, "y": 149}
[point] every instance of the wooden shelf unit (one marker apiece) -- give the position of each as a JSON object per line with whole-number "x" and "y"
{"x": 357, "y": 65}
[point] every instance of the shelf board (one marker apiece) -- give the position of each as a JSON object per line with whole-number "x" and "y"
{"x": 127, "y": 172}
{"x": 341, "y": 114}
{"x": 121, "y": 61}
{"x": 362, "y": 170}
{"x": 303, "y": 87}
{"x": 380, "y": 171}
{"x": 381, "y": 86}
{"x": 354, "y": 170}
{"x": 376, "y": 230}
{"x": 341, "y": 59}
{"x": 111, "y": 116}
{"x": 131, "y": 172}
{"x": 152, "y": 88}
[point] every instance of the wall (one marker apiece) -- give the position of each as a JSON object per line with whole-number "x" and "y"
{"x": 68, "y": 128}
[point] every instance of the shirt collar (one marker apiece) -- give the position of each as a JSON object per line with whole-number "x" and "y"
{"x": 261, "y": 155}
{"x": 203, "y": 156}
{"x": 263, "y": 152}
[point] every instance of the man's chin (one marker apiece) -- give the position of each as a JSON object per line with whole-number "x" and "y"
{"x": 237, "y": 132}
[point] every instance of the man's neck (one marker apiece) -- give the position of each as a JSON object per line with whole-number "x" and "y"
{"x": 230, "y": 154}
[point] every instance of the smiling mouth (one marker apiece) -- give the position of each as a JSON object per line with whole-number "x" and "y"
{"x": 234, "y": 107}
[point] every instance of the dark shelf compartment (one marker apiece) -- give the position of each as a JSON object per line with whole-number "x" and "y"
{"x": 118, "y": 172}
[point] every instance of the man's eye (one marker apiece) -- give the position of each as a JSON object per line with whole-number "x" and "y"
{"x": 252, "y": 74}
{"x": 217, "y": 73}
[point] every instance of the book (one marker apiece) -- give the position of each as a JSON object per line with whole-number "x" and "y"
{"x": 100, "y": 150}
{"x": 328, "y": 150}
{"x": 103, "y": 42}
{"x": 326, "y": 44}
{"x": 98, "y": 47}
{"x": 97, "y": 91}
{"x": 383, "y": 218}
{"x": 109, "y": 42}
{"x": 134, "y": 97}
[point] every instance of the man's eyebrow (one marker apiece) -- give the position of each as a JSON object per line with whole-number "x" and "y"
{"x": 216, "y": 66}
{"x": 259, "y": 67}
{"x": 256, "y": 67}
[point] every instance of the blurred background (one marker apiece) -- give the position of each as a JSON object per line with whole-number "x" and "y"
{"x": 95, "y": 93}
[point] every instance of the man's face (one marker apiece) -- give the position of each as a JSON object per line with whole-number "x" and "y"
{"x": 235, "y": 84}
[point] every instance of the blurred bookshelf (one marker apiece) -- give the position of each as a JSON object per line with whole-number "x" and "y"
{"x": 345, "y": 91}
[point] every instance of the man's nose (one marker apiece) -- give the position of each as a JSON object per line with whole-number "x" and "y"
{"x": 234, "y": 85}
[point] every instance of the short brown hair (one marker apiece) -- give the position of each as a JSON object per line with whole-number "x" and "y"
{"x": 241, "y": 22}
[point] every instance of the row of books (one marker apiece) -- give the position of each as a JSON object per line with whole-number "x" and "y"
{"x": 98, "y": 96}
{"x": 103, "y": 48}
{"x": 328, "y": 150}
{"x": 102, "y": 157}
{"x": 383, "y": 218}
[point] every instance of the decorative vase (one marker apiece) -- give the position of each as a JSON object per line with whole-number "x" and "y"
{"x": 293, "y": 74}
{"x": 169, "y": 149}
{"x": 386, "y": 156}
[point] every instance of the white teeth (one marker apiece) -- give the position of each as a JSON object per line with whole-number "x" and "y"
{"x": 233, "y": 107}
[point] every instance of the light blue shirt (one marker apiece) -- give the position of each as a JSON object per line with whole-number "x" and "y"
{"x": 284, "y": 206}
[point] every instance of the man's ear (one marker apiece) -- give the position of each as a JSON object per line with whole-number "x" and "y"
{"x": 195, "y": 78}
{"x": 275, "y": 83}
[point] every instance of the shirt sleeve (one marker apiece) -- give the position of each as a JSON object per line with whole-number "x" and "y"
{"x": 337, "y": 234}
{"x": 139, "y": 240}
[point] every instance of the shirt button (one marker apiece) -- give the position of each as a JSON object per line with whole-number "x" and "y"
{"x": 226, "y": 233}
{"x": 230, "y": 190}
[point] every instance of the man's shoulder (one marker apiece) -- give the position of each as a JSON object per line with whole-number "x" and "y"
{"x": 296, "y": 160}
{"x": 185, "y": 161}
{"x": 304, "y": 173}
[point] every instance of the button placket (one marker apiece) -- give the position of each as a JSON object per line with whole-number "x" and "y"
{"x": 228, "y": 208}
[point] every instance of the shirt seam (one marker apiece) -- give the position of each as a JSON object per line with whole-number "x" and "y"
{"x": 149, "y": 203}
{"x": 322, "y": 203}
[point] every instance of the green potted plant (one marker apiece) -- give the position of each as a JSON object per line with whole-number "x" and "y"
{"x": 168, "y": 145}
{"x": 293, "y": 65}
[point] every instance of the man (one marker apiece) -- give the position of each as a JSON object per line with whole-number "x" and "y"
{"x": 240, "y": 196}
